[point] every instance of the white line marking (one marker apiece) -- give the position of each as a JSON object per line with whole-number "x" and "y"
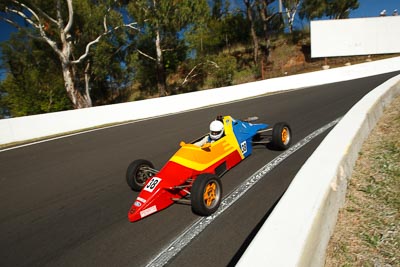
{"x": 198, "y": 226}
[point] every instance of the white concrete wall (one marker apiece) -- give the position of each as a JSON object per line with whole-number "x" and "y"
{"x": 37, "y": 126}
{"x": 298, "y": 230}
{"x": 365, "y": 36}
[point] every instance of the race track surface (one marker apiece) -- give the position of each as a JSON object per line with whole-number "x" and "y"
{"x": 65, "y": 202}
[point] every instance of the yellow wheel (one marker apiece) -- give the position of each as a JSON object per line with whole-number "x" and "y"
{"x": 206, "y": 194}
{"x": 281, "y": 136}
{"x": 285, "y": 135}
{"x": 209, "y": 195}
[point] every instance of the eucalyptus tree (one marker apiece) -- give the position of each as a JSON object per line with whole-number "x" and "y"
{"x": 334, "y": 9}
{"x": 163, "y": 21}
{"x": 33, "y": 85}
{"x": 260, "y": 11}
{"x": 291, "y": 8}
{"x": 311, "y": 9}
{"x": 250, "y": 7}
{"x": 71, "y": 29}
{"x": 263, "y": 7}
{"x": 340, "y": 9}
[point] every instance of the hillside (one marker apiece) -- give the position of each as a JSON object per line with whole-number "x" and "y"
{"x": 287, "y": 55}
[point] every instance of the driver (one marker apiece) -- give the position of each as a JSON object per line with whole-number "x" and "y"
{"x": 216, "y": 132}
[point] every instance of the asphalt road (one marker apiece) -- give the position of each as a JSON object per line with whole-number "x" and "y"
{"x": 65, "y": 202}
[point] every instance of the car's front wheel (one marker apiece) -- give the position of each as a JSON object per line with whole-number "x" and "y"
{"x": 138, "y": 172}
{"x": 281, "y": 136}
{"x": 206, "y": 194}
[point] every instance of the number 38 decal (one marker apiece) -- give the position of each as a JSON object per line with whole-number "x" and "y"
{"x": 243, "y": 147}
{"x": 152, "y": 184}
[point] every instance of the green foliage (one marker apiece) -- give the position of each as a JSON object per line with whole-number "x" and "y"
{"x": 311, "y": 9}
{"x": 104, "y": 65}
{"x": 223, "y": 76}
{"x": 33, "y": 84}
{"x": 216, "y": 12}
{"x": 340, "y": 9}
{"x": 141, "y": 66}
{"x": 334, "y": 9}
{"x": 274, "y": 25}
{"x": 107, "y": 58}
{"x": 218, "y": 33}
{"x": 166, "y": 19}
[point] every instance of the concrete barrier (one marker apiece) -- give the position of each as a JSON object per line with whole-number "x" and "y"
{"x": 356, "y": 36}
{"x": 298, "y": 230}
{"x": 38, "y": 126}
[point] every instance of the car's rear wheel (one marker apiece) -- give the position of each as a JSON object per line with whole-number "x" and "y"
{"x": 138, "y": 172}
{"x": 206, "y": 194}
{"x": 281, "y": 136}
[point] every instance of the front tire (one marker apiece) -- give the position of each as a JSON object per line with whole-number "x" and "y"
{"x": 206, "y": 194}
{"x": 281, "y": 136}
{"x": 138, "y": 173}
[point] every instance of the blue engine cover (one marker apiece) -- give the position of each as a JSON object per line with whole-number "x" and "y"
{"x": 244, "y": 132}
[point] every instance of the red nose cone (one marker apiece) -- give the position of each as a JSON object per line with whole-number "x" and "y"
{"x": 140, "y": 210}
{"x": 134, "y": 214}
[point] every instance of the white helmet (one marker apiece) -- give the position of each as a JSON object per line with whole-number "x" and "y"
{"x": 216, "y": 130}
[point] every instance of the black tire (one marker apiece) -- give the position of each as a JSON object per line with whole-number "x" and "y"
{"x": 137, "y": 175}
{"x": 281, "y": 136}
{"x": 206, "y": 194}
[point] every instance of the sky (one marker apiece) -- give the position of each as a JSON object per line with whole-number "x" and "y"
{"x": 372, "y": 8}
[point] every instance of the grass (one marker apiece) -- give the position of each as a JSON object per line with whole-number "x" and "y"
{"x": 368, "y": 228}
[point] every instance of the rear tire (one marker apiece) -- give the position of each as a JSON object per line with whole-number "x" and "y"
{"x": 281, "y": 136}
{"x": 206, "y": 194}
{"x": 137, "y": 174}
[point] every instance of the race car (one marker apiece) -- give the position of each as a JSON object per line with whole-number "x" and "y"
{"x": 192, "y": 175}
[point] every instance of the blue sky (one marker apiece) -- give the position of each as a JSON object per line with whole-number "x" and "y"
{"x": 372, "y": 8}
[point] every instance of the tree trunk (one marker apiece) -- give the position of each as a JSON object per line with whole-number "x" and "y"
{"x": 38, "y": 19}
{"x": 265, "y": 19}
{"x": 87, "y": 85}
{"x": 78, "y": 100}
{"x": 252, "y": 30}
{"x": 265, "y": 23}
{"x": 161, "y": 79}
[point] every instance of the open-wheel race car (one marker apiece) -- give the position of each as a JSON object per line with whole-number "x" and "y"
{"x": 192, "y": 174}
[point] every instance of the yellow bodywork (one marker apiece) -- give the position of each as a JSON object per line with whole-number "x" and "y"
{"x": 200, "y": 158}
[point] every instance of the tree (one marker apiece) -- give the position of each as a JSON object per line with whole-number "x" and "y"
{"x": 225, "y": 69}
{"x": 217, "y": 9}
{"x": 311, "y": 9}
{"x": 33, "y": 85}
{"x": 271, "y": 22}
{"x": 334, "y": 9}
{"x": 54, "y": 25}
{"x": 163, "y": 20}
{"x": 249, "y": 4}
{"x": 291, "y": 7}
{"x": 340, "y": 9}
{"x": 266, "y": 16}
